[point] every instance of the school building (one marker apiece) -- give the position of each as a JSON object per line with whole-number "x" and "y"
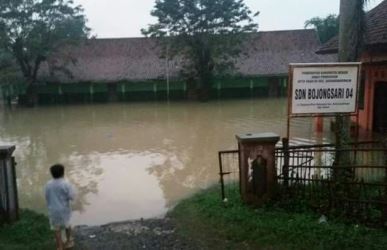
{"x": 373, "y": 86}
{"x": 127, "y": 69}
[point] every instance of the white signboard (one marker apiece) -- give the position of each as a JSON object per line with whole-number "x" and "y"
{"x": 321, "y": 89}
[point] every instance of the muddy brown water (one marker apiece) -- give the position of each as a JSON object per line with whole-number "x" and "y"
{"x": 134, "y": 160}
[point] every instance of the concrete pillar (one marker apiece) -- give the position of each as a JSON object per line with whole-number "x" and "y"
{"x": 258, "y": 176}
{"x": 112, "y": 92}
{"x": 319, "y": 124}
{"x": 274, "y": 87}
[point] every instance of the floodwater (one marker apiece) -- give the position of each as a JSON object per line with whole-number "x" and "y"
{"x": 133, "y": 160}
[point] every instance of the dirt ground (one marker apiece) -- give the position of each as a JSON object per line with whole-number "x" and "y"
{"x": 141, "y": 234}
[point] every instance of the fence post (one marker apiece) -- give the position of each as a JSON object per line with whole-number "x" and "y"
{"x": 285, "y": 168}
{"x": 8, "y": 188}
{"x": 385, "y": 182}
{"x": 221, "y": 175}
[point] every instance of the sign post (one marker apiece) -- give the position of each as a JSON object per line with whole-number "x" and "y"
{"x": 321, "y": 90}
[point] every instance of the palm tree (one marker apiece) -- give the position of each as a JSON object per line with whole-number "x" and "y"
{"x": 326, "y": 28}
{"x": 351, "y": 32}
{"x": 352, "y": 27}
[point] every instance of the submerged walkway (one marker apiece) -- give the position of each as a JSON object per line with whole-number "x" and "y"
{"x": 142, "y": 234}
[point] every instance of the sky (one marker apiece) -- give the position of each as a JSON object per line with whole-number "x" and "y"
{"x": 125, "y": 18}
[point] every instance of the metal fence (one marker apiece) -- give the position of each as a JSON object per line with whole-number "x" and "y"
{"x": 310, "y": 175}
{"x": 229, "y": 173}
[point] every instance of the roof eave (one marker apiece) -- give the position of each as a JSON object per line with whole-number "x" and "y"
{"x": 382, "y": 47}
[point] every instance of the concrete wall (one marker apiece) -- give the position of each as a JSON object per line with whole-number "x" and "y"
{"x": 375, "y": 70}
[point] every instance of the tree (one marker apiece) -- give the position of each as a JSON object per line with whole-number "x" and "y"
{"x": 32, "y": 29}
{"x": 9, "y": 74}
{"x": 8, "y": 71}
{"x": 7, "y": 65}
{"x": 352, "y": 29}
{"x": 326, "y": 28}
{"x": 206, "y": 33}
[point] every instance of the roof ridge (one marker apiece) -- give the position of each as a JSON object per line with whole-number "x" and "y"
{"x": 376, "y": 8}
{"x": 140, "y": 38}
{"x": 291, "y": 30}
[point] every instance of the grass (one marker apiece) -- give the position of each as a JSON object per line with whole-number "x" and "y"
{"x": 32, "y": 231}
{"x": 212, "y": 224}
{"x": 218, "y": 225}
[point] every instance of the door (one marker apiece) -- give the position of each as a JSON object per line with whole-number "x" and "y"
{"x": 380, "y": 107}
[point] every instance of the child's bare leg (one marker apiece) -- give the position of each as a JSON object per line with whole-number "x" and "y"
{"x": 69, "y": 238}
{"x": 68, "y": 233}
{"x": 58, "y": 239}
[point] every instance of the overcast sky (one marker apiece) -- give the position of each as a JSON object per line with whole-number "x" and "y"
{"x": 125, "y": 18}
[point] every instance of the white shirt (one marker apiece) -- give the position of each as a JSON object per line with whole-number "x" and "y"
{"x": 59, "y": 193}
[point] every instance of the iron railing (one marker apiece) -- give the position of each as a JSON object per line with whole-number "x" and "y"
{"x": 229, "y": 172}
{"x": 310, "y": 174}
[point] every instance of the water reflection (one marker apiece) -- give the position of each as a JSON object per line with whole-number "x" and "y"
{"x": 125, "y": 190}
{"x": 137, "y": 159}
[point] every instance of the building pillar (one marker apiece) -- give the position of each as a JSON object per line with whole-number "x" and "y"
{"x": 319, "y": 124}
{"x": 112, "y": 92}
{"x": 274, "y": 87}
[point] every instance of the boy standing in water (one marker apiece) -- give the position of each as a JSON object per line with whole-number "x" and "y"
{"x": 59, "y": 193}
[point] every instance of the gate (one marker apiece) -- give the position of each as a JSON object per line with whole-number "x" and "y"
{"x": 229, "y": 173}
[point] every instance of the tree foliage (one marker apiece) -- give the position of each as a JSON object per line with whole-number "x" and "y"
{"x": 206, "y": 33}
{"x": 32, "y": 29}
{"x": 327, "y": 27}
{"x": 8, "y": 69}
